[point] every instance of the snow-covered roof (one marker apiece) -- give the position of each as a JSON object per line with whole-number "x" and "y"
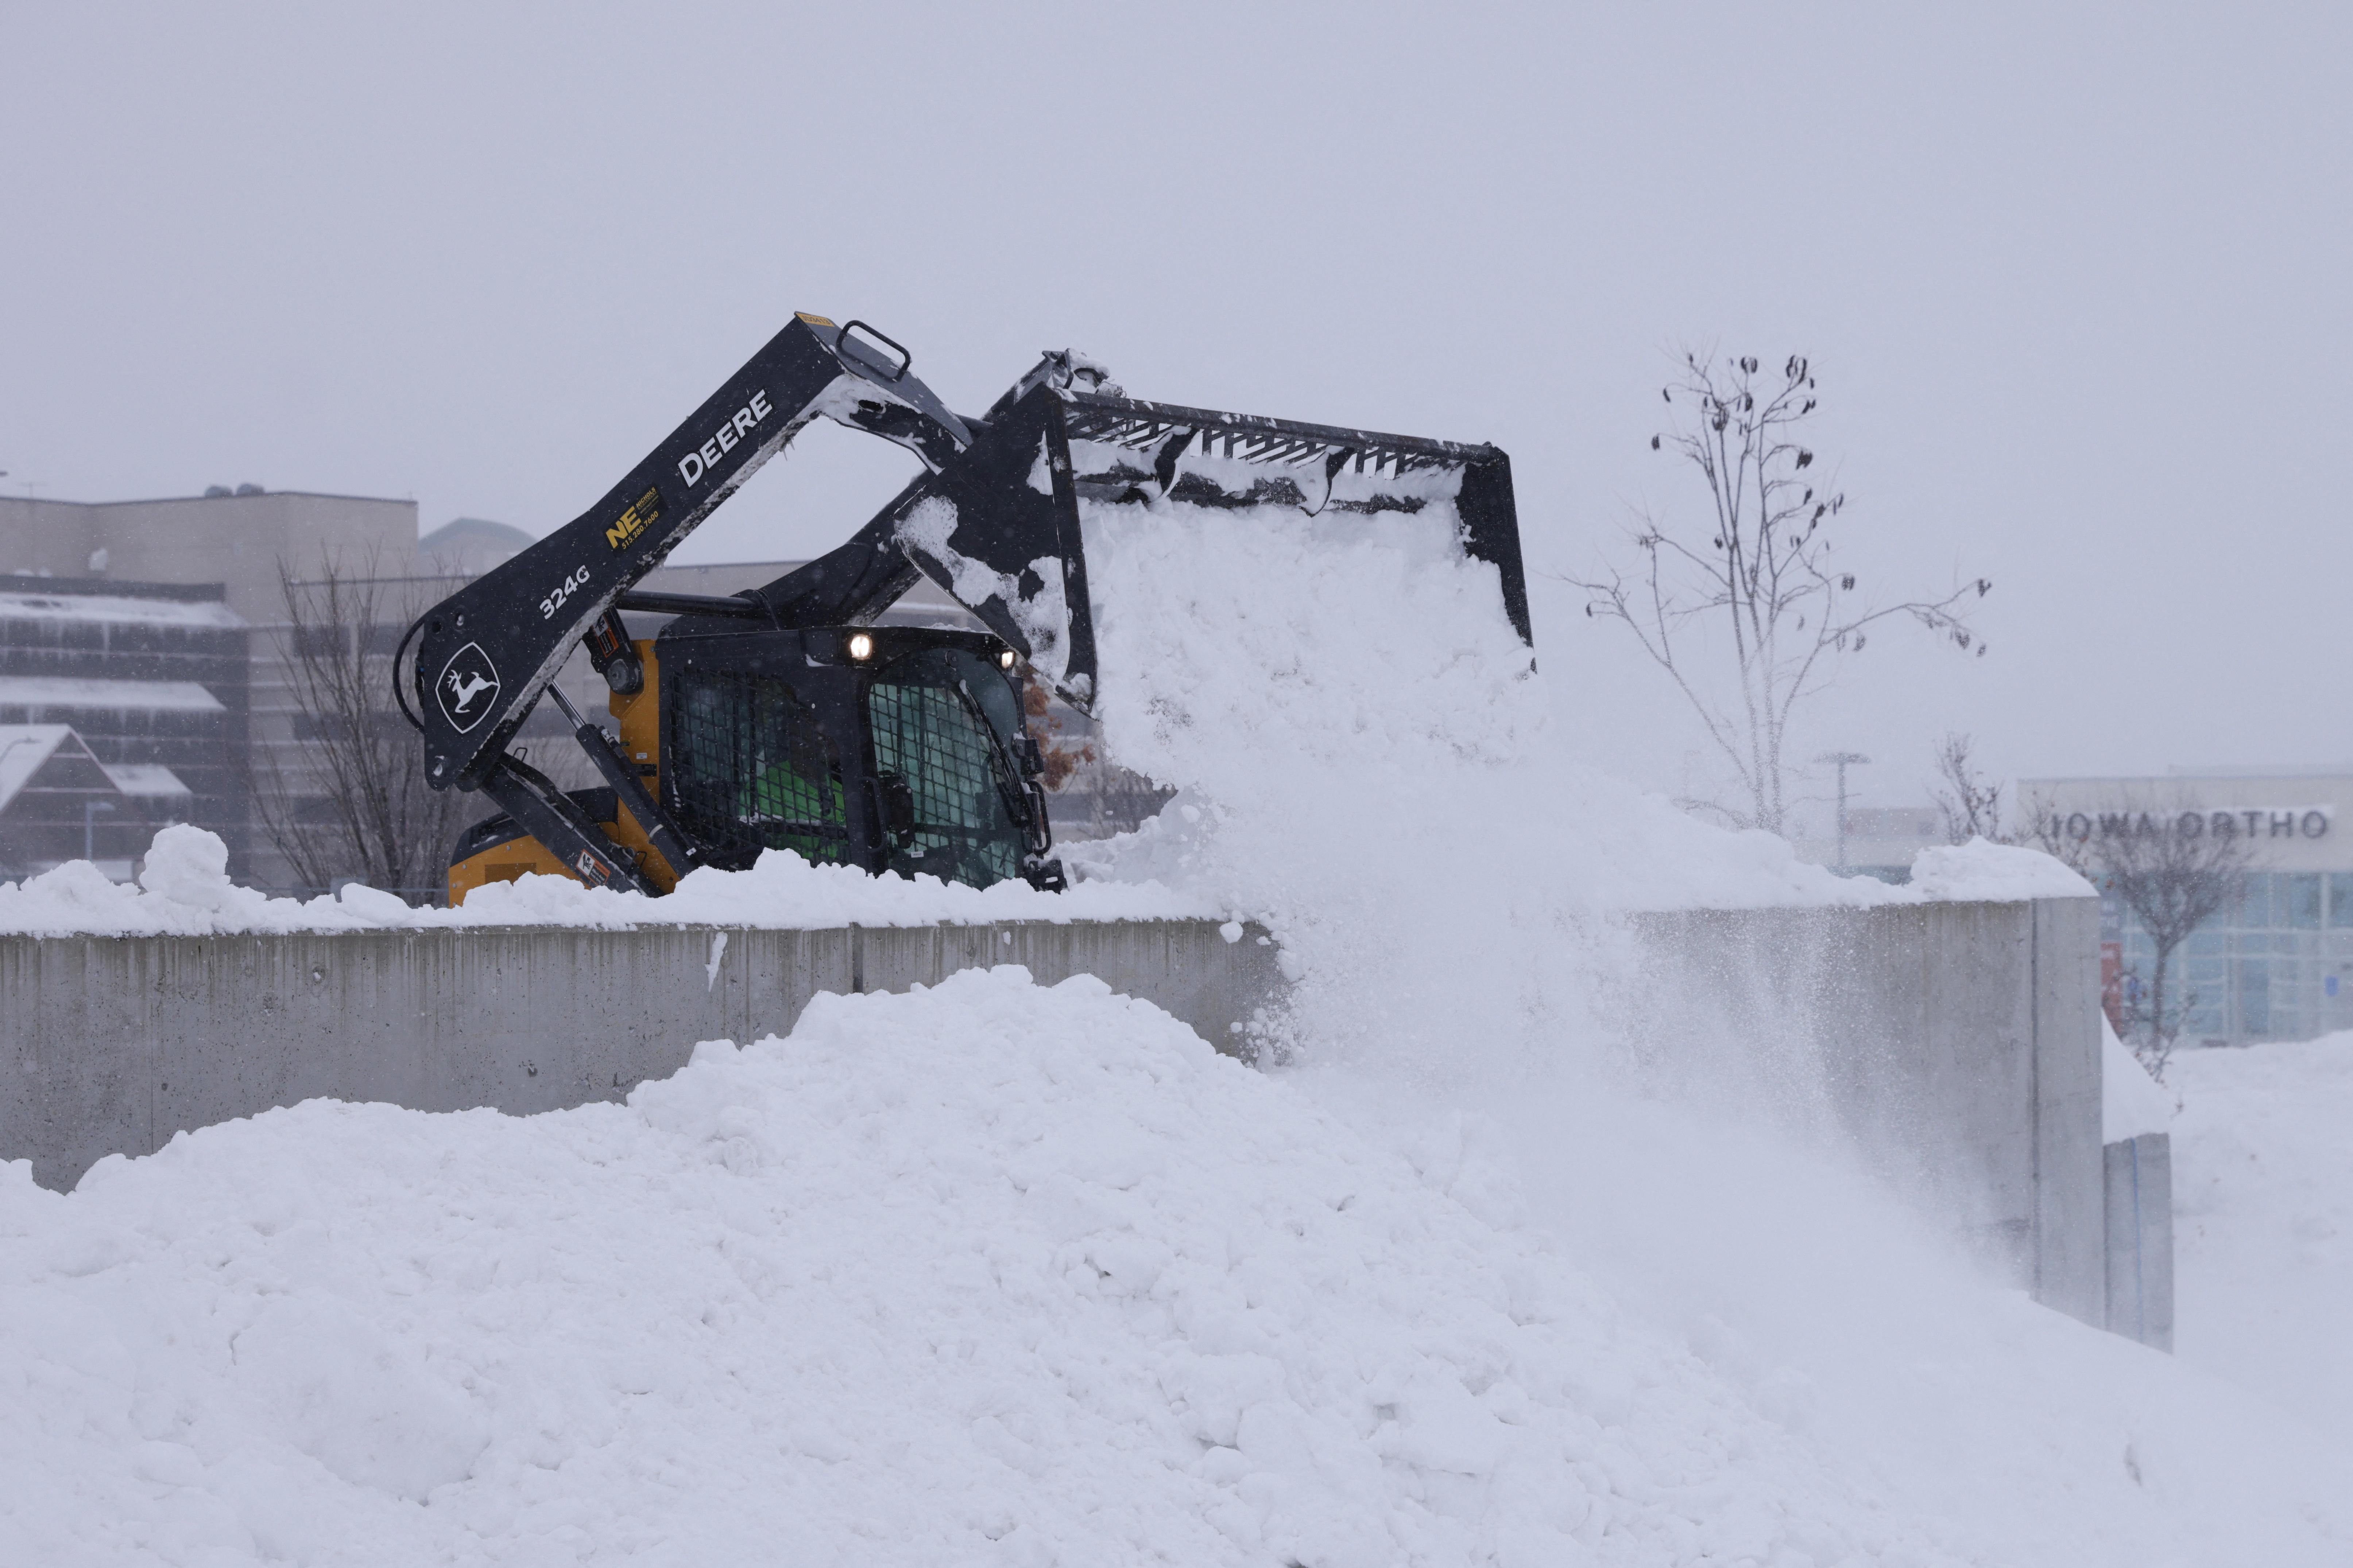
{"x": 118, "y": 608}
{"x": 119, "y": 696}
{"x": 23, "y": 749}
{"x": 151, "y": 779}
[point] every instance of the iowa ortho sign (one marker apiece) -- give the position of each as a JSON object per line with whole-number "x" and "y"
{"x": 2293, "y": 822}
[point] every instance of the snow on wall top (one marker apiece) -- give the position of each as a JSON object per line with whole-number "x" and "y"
{"x": 1995, "y": 873}
{"x": 2131, "y": 1102}
{"x": 184, "y": 890}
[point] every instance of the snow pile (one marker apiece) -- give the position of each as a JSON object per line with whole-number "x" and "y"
{"x": 184, "y": 890}
{"x": 2262, "y": 1194}
{"x": 990, "y": 1273}
{"x": 1365, "y": 766}
{"x": 1982, "y": 872}
{"x": 2131, "y": 1102}
{"x": 1338, "y": 691}
{"x": 999, "y": 1274}
{"x": 1364, "y": 763}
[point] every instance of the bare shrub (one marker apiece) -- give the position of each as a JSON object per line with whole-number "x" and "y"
{"x": 351, "y": 801}
{"x": 1757, "y": 570}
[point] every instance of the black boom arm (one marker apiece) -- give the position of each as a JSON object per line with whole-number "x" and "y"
{"x": 486, "y": 653}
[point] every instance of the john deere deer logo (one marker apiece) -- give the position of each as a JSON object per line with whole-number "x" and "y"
{"x": 468, "y": 687}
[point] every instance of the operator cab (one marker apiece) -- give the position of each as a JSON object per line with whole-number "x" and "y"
{"x": 889, "y": 748}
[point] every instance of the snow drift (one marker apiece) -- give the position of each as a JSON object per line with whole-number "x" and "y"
{"x": 990, "y": 1273}
{"x": 2263, "y": 1173}
{"x": 995, "y": 1273}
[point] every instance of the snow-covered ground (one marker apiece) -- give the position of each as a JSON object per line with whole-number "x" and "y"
{"x": 1001, "y": 1274}
{"x": 2262, "y": 1193}
{"x": 996, "y": 1273}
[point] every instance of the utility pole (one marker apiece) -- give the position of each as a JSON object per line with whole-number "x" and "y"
{"x": 1843, "y": 759}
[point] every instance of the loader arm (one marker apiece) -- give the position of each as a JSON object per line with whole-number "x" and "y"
{"x": 998, "y": 530}
{"x": 486, "y": 653}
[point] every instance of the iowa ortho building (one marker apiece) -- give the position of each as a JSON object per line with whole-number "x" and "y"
{"x": 2276, "y": 963}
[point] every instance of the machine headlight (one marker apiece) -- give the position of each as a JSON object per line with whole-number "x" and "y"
{"x": 862, "y": 647}
{"x": 1004, "y": 660}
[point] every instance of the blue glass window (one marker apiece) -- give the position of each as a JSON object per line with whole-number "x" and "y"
{"x": 2254, "y": 996}
{"x": 2298, "y": 896}
{"x": 2256, "y": 903}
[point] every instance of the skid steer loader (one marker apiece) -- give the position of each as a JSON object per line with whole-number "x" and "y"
{"x": 785, "y": 716}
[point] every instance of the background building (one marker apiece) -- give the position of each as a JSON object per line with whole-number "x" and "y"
{"x": 158, "y": 630}
{"x": 58, "y": 802}
{"x": 150, "y": 681}
{"x": 2277, "y": 965}
{"x": 235, "y": 540}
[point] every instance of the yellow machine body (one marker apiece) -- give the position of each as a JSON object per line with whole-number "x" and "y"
{"x": 639, "y": 716}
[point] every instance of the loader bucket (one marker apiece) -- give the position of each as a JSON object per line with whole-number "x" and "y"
{"x": 1126, "y": 450}
{"x": 1007, "y": 544}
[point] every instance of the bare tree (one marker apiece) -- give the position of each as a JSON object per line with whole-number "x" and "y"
{"x": 1969, "y": 802}
{"x": 352, "y": 801}
{"x": 2175, "y": 870}
{"x": 2039, "y": 826}
{"x": 1762, "y": 578}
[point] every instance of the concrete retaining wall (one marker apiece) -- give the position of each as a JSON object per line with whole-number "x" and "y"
{"x": 1958, "y": 1044}
{"x": 2141, "y": 1238}
{"x": 111, "y": 1045}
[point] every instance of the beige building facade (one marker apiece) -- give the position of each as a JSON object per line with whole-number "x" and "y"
{"x": 79, "y": 562}
{"x": 237, "y": 541}
{"x": 2277, "y": 963}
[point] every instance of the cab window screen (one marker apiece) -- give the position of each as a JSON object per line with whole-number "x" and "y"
{"x": 748, "y": 769}
{"x": 932, "y": 742}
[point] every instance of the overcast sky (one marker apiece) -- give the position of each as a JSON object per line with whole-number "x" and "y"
{"x": 2074, "y": 280}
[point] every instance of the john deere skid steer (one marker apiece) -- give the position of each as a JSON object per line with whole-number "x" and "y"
{"x": 785, "y": 716}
